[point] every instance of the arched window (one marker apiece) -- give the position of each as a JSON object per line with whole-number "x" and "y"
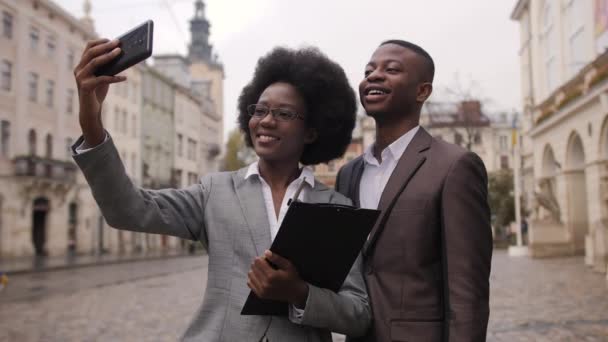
{"x": 5, "y": 134}
{"x": 32, "y": 142}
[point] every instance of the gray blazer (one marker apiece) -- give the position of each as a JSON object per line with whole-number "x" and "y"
{"x": 226, "y": 213}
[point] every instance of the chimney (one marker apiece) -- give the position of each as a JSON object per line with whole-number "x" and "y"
{"x": 470, "y": 110}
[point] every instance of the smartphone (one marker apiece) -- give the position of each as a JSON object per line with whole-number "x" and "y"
{"x": 135, "y": 45}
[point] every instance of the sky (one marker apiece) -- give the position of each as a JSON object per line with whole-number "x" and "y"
{"x": 473, "y": 42}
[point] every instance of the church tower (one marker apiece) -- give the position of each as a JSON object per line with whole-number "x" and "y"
{"x": 200, "y": 49}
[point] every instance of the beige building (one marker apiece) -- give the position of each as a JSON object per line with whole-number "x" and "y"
{"x": 45, "y": 205}
{"x": 122, "y": 117}
{"x": 467, "y": 125}
{"x": 207, "y": 73}
{"x": 564, "y": 150}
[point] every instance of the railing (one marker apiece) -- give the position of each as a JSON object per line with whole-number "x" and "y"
{"x": 33, "y": 166}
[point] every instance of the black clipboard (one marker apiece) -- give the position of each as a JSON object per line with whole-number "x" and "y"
{"x": 322, "y": 240}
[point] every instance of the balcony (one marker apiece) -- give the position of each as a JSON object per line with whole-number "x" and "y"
{"x": 43, "y": 168}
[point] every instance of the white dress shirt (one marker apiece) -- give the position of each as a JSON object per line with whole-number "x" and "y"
{"x": 376, "y": 174}
{"x": 295, "y": 314}
{"x": 306, "y": 175}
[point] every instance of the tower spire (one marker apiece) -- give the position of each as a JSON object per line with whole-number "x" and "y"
{"x": 200, "y": 49}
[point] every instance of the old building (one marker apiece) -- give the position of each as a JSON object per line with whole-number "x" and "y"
{"x": 45, "y": 205}
{"x": 467, "y": 125}
{"x": 564, "y": 150}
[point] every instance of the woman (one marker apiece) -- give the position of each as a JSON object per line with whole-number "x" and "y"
{"x": 297, "y": 109}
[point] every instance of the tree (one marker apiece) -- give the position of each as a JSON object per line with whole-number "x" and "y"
{"x": 461, "y": 109}
{"x": 500, "y": 198}
{"x": 234, "y": 147}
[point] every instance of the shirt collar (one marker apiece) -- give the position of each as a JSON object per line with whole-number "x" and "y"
{"x": 306, "y": 174}
{"x": 396, "y": 149}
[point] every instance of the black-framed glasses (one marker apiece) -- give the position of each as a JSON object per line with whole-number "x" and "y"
{"x": 259, "y": 111}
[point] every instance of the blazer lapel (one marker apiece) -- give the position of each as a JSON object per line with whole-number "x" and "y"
{"x": 406, "y": 168}
{"x": 251, "y": 201}
{"x": 355, "y": 181}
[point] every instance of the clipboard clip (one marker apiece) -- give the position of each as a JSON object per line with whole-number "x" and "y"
{"x": 297, "y": 193}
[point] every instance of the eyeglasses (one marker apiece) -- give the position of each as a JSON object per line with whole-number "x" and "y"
{"x": 258, "y": 111}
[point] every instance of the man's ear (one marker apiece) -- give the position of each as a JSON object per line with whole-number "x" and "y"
{"x": 311, "y": 136}
{"x": 424, "y": 91}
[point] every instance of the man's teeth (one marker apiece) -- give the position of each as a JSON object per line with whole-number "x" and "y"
{"x": 267, "y": 138}
{"x": 376, "y": 92}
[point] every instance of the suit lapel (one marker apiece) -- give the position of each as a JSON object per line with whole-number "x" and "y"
{"x": 251, "y": 201}
{"x": 411, "y": 160}
{"x": 355, "y": 181}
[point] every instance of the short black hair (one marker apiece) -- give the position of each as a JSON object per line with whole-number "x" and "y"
{"x": 330, "y": 100}
{"x": 430, "y": 72}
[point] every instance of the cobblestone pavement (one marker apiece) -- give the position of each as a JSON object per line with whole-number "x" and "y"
{"x": 532, "y": 300}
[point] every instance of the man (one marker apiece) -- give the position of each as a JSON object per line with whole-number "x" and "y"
{"x": 428, "y": 259}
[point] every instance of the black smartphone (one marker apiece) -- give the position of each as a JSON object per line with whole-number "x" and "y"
{"x": 135, "y": 45}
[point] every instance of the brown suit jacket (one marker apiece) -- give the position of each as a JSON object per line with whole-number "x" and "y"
{"x": 428, "y": 259}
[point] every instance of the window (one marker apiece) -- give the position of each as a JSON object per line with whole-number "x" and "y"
{"x": 125, "y": 131}
{"x": 70, "y": 102}
{"x": 191, "y": 149}
{"x": 7, "y": 25}
{"x": 458, "y": 139}
{"x": 331, "y": 166}
{"x": 503, "y": 142}
{"x": 180, "y": 144}
{"x": 177, "y": 178}
{"x": 33, "y": 86}
{"x": 6, "y": 76}
{"x": 34, "y": 38}
{"x": 50, "y": 93}
{"x": 117, "y": 119}
{"x": 68, "y": 147}
{"x": 50, "y": 46}
{"x": 49, "y": 146}
{"x": 504, "y": 162}
{"x": 134, "y": 165}
{"x": 134, "y": 126}
{"x": 5, "y": 137}
{"x": 134, "y": 93}
{"x": 32, "y": 142}
{"x": 70, "y": 59}
{"x": 477, "y": 138}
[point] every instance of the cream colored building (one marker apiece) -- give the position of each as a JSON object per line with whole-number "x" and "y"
{"x": 207, "y": 72}
{"x": 465, "y": 124}
{"x": 45, "y": 204}
{"x": 564, "y": 150}
{"x": 122, "y": 117}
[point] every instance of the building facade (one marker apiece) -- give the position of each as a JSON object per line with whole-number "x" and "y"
{"x": 467, "y": 125}
{"x": 45, "y": 205}
{"x": 564, "y": 146}
{"x": 207, "y": 74}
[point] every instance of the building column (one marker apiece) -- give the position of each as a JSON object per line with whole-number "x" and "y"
{"x": 597, "y": 199}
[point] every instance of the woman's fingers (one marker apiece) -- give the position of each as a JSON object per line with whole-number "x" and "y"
{"x": 98, "y": 61}
{"x": 93, "y": 51}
